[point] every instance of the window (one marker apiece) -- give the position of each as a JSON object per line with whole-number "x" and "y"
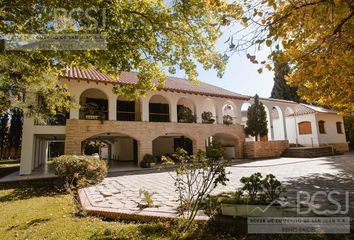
{"x": 305, "y": 128}
{"x": 339, "y": 127}
{"x": 321, "y": 127}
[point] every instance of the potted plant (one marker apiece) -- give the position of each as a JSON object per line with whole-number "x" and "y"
{"x": 90, "y": 110}
{"x": 258, "y": 197}
{"x": 148, "y": 161}
{"x": 185, "y": 114}
{"x": 207, "y": 117}
{"x": 227, "y": 119}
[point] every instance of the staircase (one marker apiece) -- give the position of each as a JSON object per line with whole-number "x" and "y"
{"x": 309, "y": 152}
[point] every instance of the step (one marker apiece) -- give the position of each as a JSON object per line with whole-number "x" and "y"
{"x": 308, "y": 152}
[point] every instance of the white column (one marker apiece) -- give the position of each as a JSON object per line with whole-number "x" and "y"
{"x": 173, "y": 109}
{"x": 219, "y": 115}
{"x": 238, "y": 112}
{"x": 27, "y": 149}
{"x": 284, "y": 124}
{"x": 271, "y": 130}
{"x": 198, "y": 110}
{"x": 144, "y": 109}
{"x": 75, "y": 112}
{"x": 112, "y": 107}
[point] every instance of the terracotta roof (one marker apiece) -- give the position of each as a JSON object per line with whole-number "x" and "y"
{"x": 172, "y": 83}
{"x": 302, "y": 109}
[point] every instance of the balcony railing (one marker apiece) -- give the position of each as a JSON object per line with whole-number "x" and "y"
{"x": 159, "y": 117}
{"x": 128, "y": 116}
{"x": 94, "y": 115}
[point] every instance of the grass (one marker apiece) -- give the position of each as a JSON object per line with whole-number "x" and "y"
{"x": 8, "y": 166}
{"x": 43, "y": 211}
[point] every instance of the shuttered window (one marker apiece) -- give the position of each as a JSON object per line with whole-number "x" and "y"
{"x": 305, "y": 128}
{"x": 339, "y": 127}
{"x": 321, "y": 127}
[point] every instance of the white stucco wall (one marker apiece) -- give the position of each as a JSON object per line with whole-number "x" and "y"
{"x": 331, "y": 135}
{"x": 307, "y": 139}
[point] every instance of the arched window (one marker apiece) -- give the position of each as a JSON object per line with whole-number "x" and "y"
{"x": 339, "y": 127}
{"x": 321, "y": 126}
{"x": 305, "y": 128}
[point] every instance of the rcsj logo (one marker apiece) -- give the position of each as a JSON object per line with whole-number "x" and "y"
{"x": 64, "y": 18}
{"x": 306, "y": 202}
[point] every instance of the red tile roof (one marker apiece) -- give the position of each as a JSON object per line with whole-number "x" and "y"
{"x": 172, "y": 83}
{"x": 302, "y": 109}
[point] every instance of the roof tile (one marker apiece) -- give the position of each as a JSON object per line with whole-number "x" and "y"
{"x": 172, "y": 83}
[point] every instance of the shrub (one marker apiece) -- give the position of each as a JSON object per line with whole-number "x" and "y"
{"x": 207, "y": 117}
{"x": 272, "y": 187}
{"x": 252, "y": 185}
{"x": 147, "y": 160}
{"x": 80, "y": 171}
{"x": 227, "y": 119}
{"x": 185, "y": 114}
{"x": 262, "y": 190}
{"x": 196, "y": 176}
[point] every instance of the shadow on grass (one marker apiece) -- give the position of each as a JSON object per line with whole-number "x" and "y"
{"x": 27, "y": 190}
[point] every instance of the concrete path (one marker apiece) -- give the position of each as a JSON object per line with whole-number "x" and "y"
{"x": 298, "y": 174}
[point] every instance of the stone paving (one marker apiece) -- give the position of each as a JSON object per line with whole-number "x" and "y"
{"x": 306, "y": 174}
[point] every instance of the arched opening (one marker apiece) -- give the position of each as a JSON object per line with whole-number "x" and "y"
{"x": 229, "y": 144}
{"x": 244, "y": 110}
{"x": 94, "y": 105}
{"x": 186, "y": 110}
{"x": 229, "y": 113}
{"x": 128, "y": 110}
{"x": 208, "y": 111}
{"x": 116, "y": 148}
{"x": 166, "y": 145}
{"x": 159, "y": 110}
{"x": 278, "y": 124}
{"x": 291, "y": 125}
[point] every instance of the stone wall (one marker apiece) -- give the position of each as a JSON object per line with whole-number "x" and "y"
{"x": 145, "y": 132}
{"x": 268, "y": 149}
{"x": 340, "y": 147}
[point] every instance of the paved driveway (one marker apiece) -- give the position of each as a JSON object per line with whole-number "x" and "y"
{"x": 298, "y": 174}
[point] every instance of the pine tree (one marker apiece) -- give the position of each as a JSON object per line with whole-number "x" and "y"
{"x": 3, "y": 132}
{"x": 281, "y": 90}
{"x": 15, "y": 131}
{"x": 257, "y": 124}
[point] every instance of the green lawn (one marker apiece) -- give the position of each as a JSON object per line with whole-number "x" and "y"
{"x": 42, "y": 211}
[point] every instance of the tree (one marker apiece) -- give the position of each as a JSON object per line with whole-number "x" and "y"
{"x": 15, "y": 131}
{"x": 256, "y": 119}
{"x": 281, "y": 90}
{"x": 3, "y": 132}
{"x": 316, "y": 39}
{"x": 145, "y": 36}
{"x": 349, "y": 129}
{"x": 196, "y": 176}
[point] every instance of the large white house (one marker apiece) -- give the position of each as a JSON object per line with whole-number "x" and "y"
{"x": 153, "y": 124}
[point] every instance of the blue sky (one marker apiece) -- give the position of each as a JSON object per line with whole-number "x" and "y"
{"x": 241, "y": 75}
